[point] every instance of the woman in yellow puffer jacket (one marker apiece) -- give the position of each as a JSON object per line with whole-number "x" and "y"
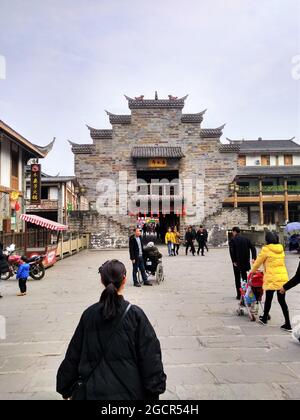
{"x": 272, "y": 257}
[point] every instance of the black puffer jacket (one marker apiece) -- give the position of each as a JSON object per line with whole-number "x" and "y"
{"x": 132, "y": 369}
{"x": 3, "y": 262}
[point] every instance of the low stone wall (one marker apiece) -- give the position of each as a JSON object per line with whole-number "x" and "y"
{"x": 104, "y": 231}
{"x": 221, "y": 222}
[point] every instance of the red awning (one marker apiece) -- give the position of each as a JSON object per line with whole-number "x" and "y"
{"x": 40, "y": 221}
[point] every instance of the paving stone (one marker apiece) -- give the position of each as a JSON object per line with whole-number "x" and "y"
{"x": 208, "y": 351}
{"x": 252, "y": 373}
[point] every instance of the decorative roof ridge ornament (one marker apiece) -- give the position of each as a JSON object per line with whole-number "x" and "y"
{"x": 90, "y": 128}
{"x": 139, "y": 98}
{"x": 221, "y": 128}
{"x": 45, "y": 149}
{"x": 183, "y": 98}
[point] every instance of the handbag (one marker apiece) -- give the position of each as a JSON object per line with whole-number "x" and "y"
{"x": 79, "y": 389}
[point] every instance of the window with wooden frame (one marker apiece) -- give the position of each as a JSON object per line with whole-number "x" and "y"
{"x": 265, "y": 160}
{"x": 242, "y": 160}
{"x": 14, "y": 167}
{"x": 288, "y": 160}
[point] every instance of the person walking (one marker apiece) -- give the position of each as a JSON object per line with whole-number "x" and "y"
{"x": 189, "y": 241}
{"x": 136, "y": 252}
{"x": 272, "y": 257}
{"x": 240, "y": 248}
{"x": 291, "y": 283}
{"x": 201, "y": 239}
{"x": 22, "y": 275}
{"x": 206, "y": 237}
{"x": 169, "y": 240}
{"x": 177, "y": 239}
{"x": 3, "y": 264}
{"x": 145, "y": 230}
{"x": 114, "y": 353}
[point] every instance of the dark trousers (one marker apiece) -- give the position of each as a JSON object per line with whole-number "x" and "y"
{"x": 22, "y": 285}
{"x": 139, "y": 265}
{"x": 200, "y": 247}
{"x": 206, "y": 246}
{"x": 282, "y": 303}
{"x": 190, "y": 245}
{"x": 238, "y": 275}
{"x": 176, "y": 249}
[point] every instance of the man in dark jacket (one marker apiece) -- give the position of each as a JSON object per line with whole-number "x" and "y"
{"x": 189, "y": 241}
{"x": 130, "y": 369}
{"x": 201, "y": 238}
{"x": 136, "y": 251}
{"x": 240, "y": 247}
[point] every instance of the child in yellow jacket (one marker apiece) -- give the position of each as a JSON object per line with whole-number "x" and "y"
{"x": 170, "y": 241}
{"x": 272, "y": 257}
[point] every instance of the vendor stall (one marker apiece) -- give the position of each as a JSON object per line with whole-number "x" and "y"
{"x": 42, "y": 237}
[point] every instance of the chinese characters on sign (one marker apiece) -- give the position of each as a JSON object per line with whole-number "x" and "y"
{"x": 35, "y": 190}
{"x": 157, "y": 163}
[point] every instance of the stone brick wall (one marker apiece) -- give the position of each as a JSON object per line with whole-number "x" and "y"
{"x": 222, "y": 221}
{"x": 210, "y": 170}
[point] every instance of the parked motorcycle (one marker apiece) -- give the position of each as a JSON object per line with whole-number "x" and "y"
{"x": 37, "y": 269}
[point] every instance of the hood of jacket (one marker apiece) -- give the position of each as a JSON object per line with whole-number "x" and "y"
{"x": 275, "y": 248}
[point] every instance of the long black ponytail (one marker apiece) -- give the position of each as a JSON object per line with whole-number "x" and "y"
{"x": 112, "y": 275}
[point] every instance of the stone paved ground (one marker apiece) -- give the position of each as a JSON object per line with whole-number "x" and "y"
{"x": 208, "y": 351}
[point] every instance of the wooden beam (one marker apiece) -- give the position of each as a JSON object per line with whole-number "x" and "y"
{"x": 261, "y": 203}
{"x": 286, "y": 200}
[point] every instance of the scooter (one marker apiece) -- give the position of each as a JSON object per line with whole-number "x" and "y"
{"x": 37, "y": 269}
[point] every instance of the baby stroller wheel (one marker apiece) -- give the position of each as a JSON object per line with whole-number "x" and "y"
{"x": 159, "y": 273}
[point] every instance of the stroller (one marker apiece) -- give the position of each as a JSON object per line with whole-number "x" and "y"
{"x": 251, "y": 295}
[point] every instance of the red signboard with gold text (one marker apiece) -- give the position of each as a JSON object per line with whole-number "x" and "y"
{"x": 35, "y": 187}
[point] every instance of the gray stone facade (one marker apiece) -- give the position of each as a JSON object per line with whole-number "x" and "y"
{"x": 162, "y": 124}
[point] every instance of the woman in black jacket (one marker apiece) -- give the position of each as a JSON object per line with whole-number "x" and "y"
{"x": 3, "y": 263}
{"x": 118, "y": 356}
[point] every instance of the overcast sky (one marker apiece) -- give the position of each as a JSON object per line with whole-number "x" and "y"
{"x": 68, "y": 60}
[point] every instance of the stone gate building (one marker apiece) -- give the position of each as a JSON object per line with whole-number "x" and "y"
{"x": 157, "y": 143}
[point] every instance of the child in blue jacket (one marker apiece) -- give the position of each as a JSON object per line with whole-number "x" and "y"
{"x": 22, "y": 275}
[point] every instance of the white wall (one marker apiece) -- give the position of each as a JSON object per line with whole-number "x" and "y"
{"x": 5, "y": 163}
{"x": 53, "y": 193}
{"x": 297, "y": 160}
{"x": 251, "y": 159}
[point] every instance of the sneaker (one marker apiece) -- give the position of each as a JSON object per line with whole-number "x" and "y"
{"x": 21, "y": 294}
{"x": 262, "y": 321}
{"x": 137, "y": 285}
{"x": 286, "y": 328}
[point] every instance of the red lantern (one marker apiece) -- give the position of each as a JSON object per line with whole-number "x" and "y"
{"x": 17, "y": 206}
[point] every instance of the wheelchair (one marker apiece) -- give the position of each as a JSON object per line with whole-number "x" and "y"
{"x": 153, "y": 267}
